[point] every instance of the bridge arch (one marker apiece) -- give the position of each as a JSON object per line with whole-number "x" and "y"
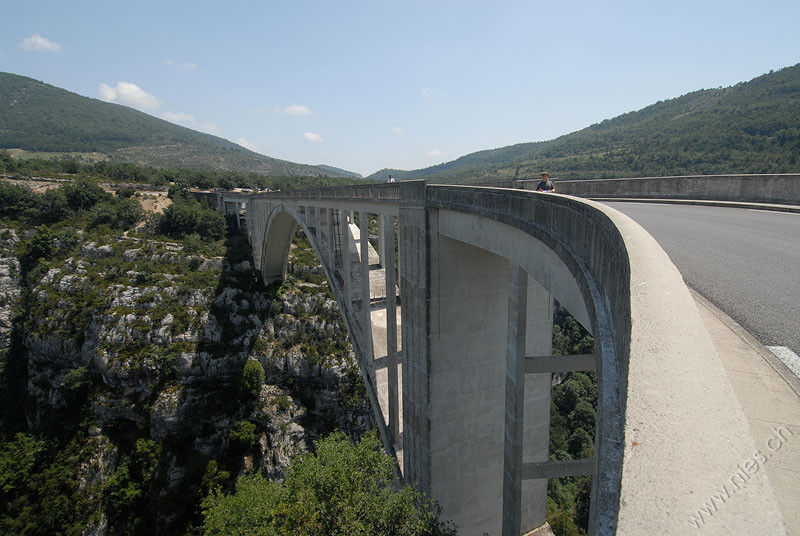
{"x": 281, "y": 226}
{"x": 282, "y": 222}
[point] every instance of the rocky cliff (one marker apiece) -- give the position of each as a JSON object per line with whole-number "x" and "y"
{"x": 167, "y": 370}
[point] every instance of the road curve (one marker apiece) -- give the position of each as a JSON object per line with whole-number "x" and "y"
{"x": 746, "y": 262}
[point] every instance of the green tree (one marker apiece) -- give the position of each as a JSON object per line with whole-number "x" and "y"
{"x": 53, "y": 206}
{"x": 83, "y": 194}
{"x": 185, "y": 218}
{"x": 14, "y": 200}
{"x": 243, "y": 435}
{"x": 40, "y": 246}
{"x": 342, "y": 488}
{"x": 252, "y": 379}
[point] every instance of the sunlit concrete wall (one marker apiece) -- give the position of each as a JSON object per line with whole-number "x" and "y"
{"x": 777, "y": 188}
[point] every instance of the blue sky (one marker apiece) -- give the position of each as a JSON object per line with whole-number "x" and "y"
{"x": 404, "y": 84}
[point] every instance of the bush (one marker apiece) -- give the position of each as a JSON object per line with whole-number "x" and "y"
{"x": 14, "y": 200}
{"x": 243, "y": 435}
{"x": 83, "y": 194}
{"x": 129, "y": 211}
{"x": 251, "y": 380}
{"x": 185, "y": 218}
{"x": 117, "y": 214}
{"x": 341, "y": 489}
{"x": 125, "y": 192}
{"x": 53, "y": 206}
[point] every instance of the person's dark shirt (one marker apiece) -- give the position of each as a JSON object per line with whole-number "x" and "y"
{"x": 545, "y": 186}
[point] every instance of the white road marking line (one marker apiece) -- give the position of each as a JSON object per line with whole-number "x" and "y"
{"x": 773, "y": 211}
{"x": 789, "y": 358}
{"x": 639, "y": 203}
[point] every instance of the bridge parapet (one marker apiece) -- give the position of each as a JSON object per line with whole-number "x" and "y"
{"x": 372, "y": 192}
{"x": 764, "y": 188}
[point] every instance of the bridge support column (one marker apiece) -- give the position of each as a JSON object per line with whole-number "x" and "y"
{"x": 536, "y": 415}
{"x": 311, "y": 219}
{"x": 366, "y": 318}
{"x": 416, "y": 226}
{"x": 515, "y": 400}
{"x": 391, "y": 329}
{"x": 344, "y": 236}
{"x": 457, "y": 312}
{"x": 381, "y": 241}
{"x": 467, "y": 404}
{"x": 331, "y": 244}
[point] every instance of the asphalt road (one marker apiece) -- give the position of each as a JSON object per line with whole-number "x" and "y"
{"x": 746, "y": 262}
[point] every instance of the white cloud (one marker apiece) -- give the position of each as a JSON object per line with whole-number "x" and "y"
{"x": 179, "y": 117}
{"x": 246, "y": 144}
{"x": 37, "y": 43}
{"x": 426, "y": 92}
{"x": 434, "y": 153}
{"x": 188, "y": 66}
{"x": 398, "y": 130}
{"x": 313, "y": 138}
{"x": 297, "y": 109}
{"x": 129, "y": 94}
{"x": 188, "y": 120}
{"x": 208, "y": 128}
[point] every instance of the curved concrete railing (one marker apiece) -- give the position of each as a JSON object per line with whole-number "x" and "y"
{"x": 776, "y": 188}
{"x": 670, "y": 429}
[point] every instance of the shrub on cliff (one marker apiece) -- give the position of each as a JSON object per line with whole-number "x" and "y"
{"x": 251, "y": 380}
{"x": 342, "y": 488}
{"x": 83, "y": 194}
{"x": 186, "y": 218}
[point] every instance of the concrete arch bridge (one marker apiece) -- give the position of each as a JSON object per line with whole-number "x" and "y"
{"x": 450, "y": 315}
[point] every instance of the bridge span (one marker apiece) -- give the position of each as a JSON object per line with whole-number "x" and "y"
{"x": 451, "y": 320}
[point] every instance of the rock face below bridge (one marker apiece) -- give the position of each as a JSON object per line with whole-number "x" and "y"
{"x": 136, "y": 346}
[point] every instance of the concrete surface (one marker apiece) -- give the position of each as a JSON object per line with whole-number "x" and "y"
{"x": 770, "y": 398}
{"x": 700, "y": 202}
{"x": 764, "y": 188}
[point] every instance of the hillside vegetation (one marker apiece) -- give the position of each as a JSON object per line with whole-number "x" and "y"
{"x": 39, "y": 117}
{"x": 143, "y": 370}
{"x": 70, "y": 168}
{"x": 752, "y": 127}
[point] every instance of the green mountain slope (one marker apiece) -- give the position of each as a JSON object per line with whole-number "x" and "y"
{"x": 340, "y": 171}
{"x": 39, "y": 117}
{"x": 752, "y": 127}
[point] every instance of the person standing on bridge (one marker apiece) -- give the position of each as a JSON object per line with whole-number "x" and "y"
{"x": 545, "y": 185}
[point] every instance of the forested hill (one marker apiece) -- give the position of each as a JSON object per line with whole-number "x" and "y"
{"x": 752, "y": 127}
{"x": 39, "y": 117}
